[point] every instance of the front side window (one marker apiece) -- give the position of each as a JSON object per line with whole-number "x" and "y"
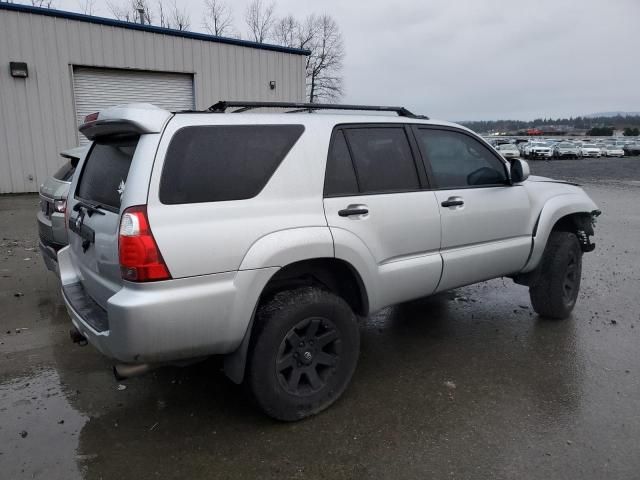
{"x": 458, "y": 160}
{"x": 217, "y": 163}
{"x": 383, "y": 159}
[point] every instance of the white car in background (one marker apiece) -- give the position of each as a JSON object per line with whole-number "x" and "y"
{"x": 508, "y": 150}
{"x": 590, "y": 150}
{"x": 565, "y": 150}
{"x": 538, "y": 150}
{"x": 612, "y": 151}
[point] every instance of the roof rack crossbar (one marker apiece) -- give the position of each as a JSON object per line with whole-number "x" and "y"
{"x": 222, "y": 106}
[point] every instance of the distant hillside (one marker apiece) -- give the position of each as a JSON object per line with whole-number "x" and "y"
{"x": 613, "y": 114}
{"x": 617, "y": 122}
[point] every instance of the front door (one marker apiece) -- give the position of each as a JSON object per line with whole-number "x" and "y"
{"x": 484, "y": 218}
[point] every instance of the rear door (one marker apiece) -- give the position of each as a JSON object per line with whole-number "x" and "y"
{"x": 375, "y": 195}
{"x": 94, "y": 215}
{"x": 484, "y": 218}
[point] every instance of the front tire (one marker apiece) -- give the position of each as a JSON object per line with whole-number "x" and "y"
{"x": 304, "y": 351}
{"x": 556, "y": 286}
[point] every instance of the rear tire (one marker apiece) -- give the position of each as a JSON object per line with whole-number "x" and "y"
{"x": 304, "y": 351}
{"x": 555, "y": 289}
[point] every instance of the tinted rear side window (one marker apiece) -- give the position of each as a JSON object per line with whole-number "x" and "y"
{"x": 383, "y": 159}
{"x": 105, "y": 171}
{"x": 340, "y": 178}
{"x": 66, "y": 171}
{"x": 219, "y": 163}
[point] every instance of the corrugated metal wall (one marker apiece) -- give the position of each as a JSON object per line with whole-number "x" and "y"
{"x": 37, "y": 114}
{"x": 97, "y": 88}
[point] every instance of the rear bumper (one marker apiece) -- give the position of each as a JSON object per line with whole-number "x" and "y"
{"x": 49, "y": 256}
{"x": 541, "y": 154}
{"x": 53, "y": 236}
{"x": 52, "y": 230}
{"x": 170, "y": 320}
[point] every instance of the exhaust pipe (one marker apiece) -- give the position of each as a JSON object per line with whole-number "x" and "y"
{"x": 123, "y": 371}
{"x": 77, "y": 337}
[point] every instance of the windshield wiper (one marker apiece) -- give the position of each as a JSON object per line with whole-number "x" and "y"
{"x": 91, "y": 208}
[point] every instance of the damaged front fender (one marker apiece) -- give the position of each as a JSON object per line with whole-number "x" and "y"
{"x": 574, "y": 212}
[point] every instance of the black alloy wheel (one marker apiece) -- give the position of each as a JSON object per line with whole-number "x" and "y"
{"x": 308, "y": 355}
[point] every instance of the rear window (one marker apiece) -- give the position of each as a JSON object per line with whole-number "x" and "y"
{"x": 66, "y": 171}
{"x": 220, "y": 163}
{"x": 105, "y": 171}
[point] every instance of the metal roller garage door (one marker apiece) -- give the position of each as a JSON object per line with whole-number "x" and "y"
{"x": 98, "y": 88}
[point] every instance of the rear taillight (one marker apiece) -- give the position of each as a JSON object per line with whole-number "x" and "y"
{"x": 60, "y": 206}
{"x": 140, "y": 259}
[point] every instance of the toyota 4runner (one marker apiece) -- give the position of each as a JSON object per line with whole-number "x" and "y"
{"x": 264, "y": 236}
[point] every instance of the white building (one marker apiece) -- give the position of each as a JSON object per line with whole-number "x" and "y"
{"x": 56, "y": 67}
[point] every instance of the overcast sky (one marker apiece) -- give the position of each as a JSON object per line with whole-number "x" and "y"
{"x": 477, "y": 59}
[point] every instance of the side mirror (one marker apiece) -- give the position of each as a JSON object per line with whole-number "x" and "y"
{"x": 519, "y": 170}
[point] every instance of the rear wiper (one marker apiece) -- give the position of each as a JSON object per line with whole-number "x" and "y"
{"x": 91, "y": 208}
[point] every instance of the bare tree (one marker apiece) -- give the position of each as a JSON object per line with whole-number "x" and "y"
{"x": 43, "y": 3}
{"x": 163, "y": 15}
{"x": 321, "y": 36}
{"x": 285, "y": 31}
{"x": 87, "y": 7}
{"x": 324, "y": 64}
{"x": 217, "y": 18}
{"x": 130, "y": 11}
{"x": 180, "y": 18}
{"x": 174, "y": 17}
{"x": 260, "y": 18}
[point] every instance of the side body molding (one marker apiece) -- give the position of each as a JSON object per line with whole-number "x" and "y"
{"x": 552, "y": 211}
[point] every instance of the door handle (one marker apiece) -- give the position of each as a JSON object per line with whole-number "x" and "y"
{"x": 353, "y": 210}
{"x": 453, "y": 202}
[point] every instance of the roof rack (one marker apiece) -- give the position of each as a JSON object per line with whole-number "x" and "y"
{"x": 223, "y": 105}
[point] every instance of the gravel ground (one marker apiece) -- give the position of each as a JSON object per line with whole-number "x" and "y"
{"x": 469, "y": 384}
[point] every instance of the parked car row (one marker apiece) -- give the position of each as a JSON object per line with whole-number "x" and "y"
{"x": 565, "y": 149}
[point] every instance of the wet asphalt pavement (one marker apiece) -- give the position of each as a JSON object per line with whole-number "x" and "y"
{"x": 470, "y": 384}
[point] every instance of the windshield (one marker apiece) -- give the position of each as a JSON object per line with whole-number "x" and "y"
{"x": 565, "y": 145}
{"x": 507, "y": 146}
{"x": 589, "y": 145}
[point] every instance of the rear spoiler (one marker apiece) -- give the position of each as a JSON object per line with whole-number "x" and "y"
{"x": 74, "y": 153}
{"x": 136, "y": 118}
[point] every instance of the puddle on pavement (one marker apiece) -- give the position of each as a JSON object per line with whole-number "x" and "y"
{"x": 39, "y": 428}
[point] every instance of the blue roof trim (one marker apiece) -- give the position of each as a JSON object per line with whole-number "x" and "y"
{"x": 50, "y": 12}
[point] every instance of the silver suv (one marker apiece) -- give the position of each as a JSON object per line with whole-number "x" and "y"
{"x": 53, "y": 204}
{"x": 264, "y": 236}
